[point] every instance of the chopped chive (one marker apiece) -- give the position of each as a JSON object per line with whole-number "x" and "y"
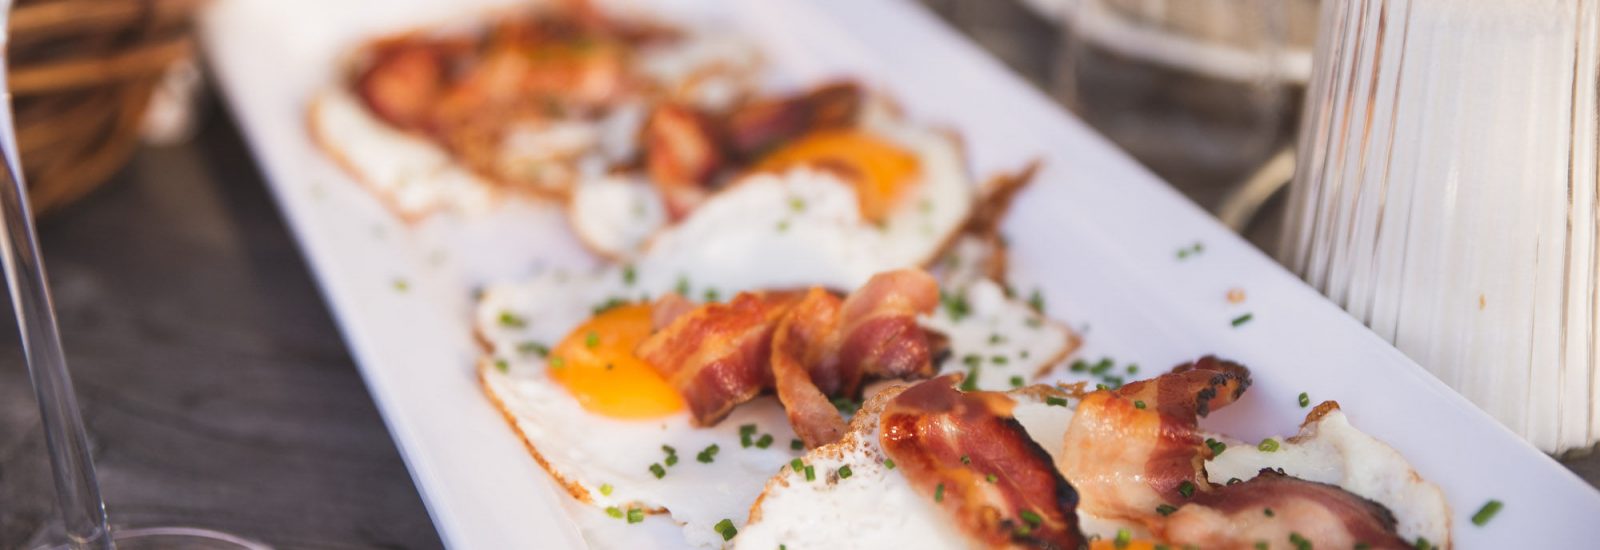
{"x": 608, "y": 305}
{"x": 746, "y": 434}
{"x": 996, "y": 339}
{"x": 1487, "y": 512}
{"x": 938, "y": 493}
{"x": 764, "y": 442}
{"x": 1055, "y": 401}
{"x": 1102, "y": 366}
{"x": 1036, "y": 301}
{"x": 605, "y": 489}
{"x": 783, "y": 226}
{"x": 591, "y": 340}
{"x": 1242, "y": 319}
{"x": 888, "y": 463}
{"x": 991, "y": 478}
{"x": 1186, "y": 489}
{"x": 712, "y": 295}
{"x": 1123, "y": 539}
{"x": 629, "y": 275}
{"x": 707, "y": 455}
{"x": 1216, "y": 446}
{"x": 1268, "y": 445}
{"x": 1363, "y": 546}
{"x": 400, "y": 285}
{"x": 844, "y": 472}
{"x": 1305, "y": 400}
{"x": 509, "y": 319}
{"x": 658, "y": 471}
{"x": 614, "y": 512}
{"x": 670, "y": 450}
{"x": 845, "y": 405}
{"x": 672, "y": 460}
{"x": 955, "y": 305}
{"x": 1261, "y": 545}
{"x": 1299, "y": 542}
{"x": 999, "y": 359}
{"x": 966, "y": 459}
{"x": 635, "y": 515}
{"x": 557, "y": 362}
{"x": 1016, "y": 381}
{"x": 797, "y": 204}
{"x": 796, "y": 445}
{"x": 1079, "y": 365}
{"x": 1166, "y": 509}
{"x": 726, "y": 529}
{"x": 1030, "y": 517}
{"x": 1423, "y": 544}
{"x": 1138, "y": 404}
{"x": 811, "y": 473}
{"x": 1268, "y": 512}
{"x": 535, "y": 348}
{"x": 682, "y": 287}
{"x": 501, "y": 365}
{"x": 796, "y": 464}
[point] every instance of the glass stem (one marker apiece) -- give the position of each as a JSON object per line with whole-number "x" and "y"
{"x": 77, "y": 491}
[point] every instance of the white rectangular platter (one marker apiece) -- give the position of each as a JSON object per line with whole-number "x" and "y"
{"x": 1097, "y": 233}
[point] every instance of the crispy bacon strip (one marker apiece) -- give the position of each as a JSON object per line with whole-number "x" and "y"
{"x": 1237, "y": 516}
{"x": 809, "y": 346}
{"x": 716, "y": 355}
{"x": 682, "y": 154}
{"x": 1137, "y": 454}
{"x": 758, "y": 126}
{"x": 950, "y": 444}
{"x": 1136, "y": 448}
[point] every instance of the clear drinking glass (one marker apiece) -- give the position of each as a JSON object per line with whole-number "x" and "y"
{"x": 1446, "y": 195}
{"x": 1200, "y": 90}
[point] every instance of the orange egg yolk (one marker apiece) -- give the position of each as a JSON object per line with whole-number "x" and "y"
{"x": 1108, "y": 544}
{"x": 597, "y": 364}
{"x": 880, "y": 171}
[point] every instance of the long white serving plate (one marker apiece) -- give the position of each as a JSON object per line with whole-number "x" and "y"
{"x": 1097, "y": 233}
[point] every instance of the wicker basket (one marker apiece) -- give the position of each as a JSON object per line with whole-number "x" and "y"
{"x": 82, "y": 72}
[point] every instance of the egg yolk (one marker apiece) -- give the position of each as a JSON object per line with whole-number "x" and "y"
{"x": 1108, "y": 544}
{"x": 597, "y": 364}
{"x": 881, "y": 171}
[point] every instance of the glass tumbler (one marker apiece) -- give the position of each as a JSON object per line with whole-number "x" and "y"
{"x": 1446, "y": 195}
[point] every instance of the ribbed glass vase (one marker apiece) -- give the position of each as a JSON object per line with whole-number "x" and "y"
{"x": 1446, "y": 195}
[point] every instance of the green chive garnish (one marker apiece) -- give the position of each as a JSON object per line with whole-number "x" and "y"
{"x": 535, "y": 348}
{"x": 707, "y": 455}
{"x": 591, "y": 340}
{"x": 1242, "y": 319}
{"x": 1268, "y": 445}
{"x": 844, "y": 472}
{"x": 726, "y": 529}
{"x": 991, "y": 478}
{"x": 629, "y": 275}
{"x": 613, "y": 511}
{"x": 1030, "y": 517}
{"x": 501, "y": 365}
{"x": 796, "y": 464}
{"x": 1166, "y": 509}
{"x": 683, "y": 286}
{"x": 557, "y": 362}
{"x": 796, "y": 445}
{"x": 764, "y": 442}
{"x": 746, "y": 434}
{"x": 1123, "y": 538}
{"x": 712, "y": 295}
{"x": 1267, "y": 512}
{"x": 605, "y": 489}
{"x": 1305, "y": 400}
{"x": 811, "y": 473}
{"x": 1299, "y": 542}
{"x": 938, "y": 493}
{"x": 1186, "y": 489}
{"x": 888, "y": 463}
{"x": 1036, "y": 301}
{"x": 509, "y": 319}
{"x": 1137, "y": 404}
{"x": 635, "y": 515}
{"x": 966, "y": 459}
{"x": 1487, "y": 512}
{"x": 1216, "y": 446}
{"x": 1016, "y": 381}
{"x": 1079, "y": 365}
{"x": 659, "y": 471}
{"x": 1055, "y": 401}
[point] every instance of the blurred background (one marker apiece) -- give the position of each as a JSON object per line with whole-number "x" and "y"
{"x": 163, "y": 242}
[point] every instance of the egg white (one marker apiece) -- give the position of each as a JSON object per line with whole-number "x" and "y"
{"x": 916, "y": 230}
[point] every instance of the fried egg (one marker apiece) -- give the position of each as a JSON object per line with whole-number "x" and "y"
{"x": 909, "y": 185}
{"x": 829, "y": 512}
{"x": 559, "y": 353}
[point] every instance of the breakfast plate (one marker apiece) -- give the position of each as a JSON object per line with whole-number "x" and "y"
{"x": 1145, "y": 277}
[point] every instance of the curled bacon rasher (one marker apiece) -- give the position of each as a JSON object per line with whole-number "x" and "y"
{"x": 809, "y": 346}
{"x": 1136, "y": 453}
{"x": 965, "y": 452}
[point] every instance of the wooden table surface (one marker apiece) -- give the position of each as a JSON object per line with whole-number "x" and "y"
{"x": 217, "y": 390}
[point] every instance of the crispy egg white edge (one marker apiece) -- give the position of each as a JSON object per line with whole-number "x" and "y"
{"x": 409, "y": 174}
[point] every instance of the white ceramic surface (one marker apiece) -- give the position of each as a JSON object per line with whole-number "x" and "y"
{"x": 1097, "y": 233}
